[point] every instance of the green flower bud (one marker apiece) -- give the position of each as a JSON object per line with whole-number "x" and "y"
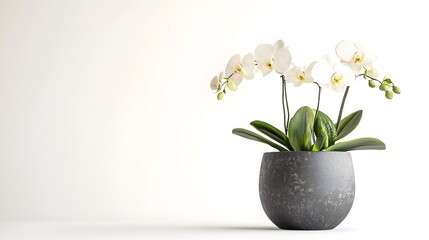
{"x": 389, "y": 94}
{"x": 232, "y": 85}
{"x": 371, "y": 83}
{"x": 384, "y": 87}
{"x": 387, "y": 80}
{"x": 220, "y": 96}
{"x": 396, "y": 90}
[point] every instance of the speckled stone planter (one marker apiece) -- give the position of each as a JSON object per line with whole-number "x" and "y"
{"x": 307, "y": 190}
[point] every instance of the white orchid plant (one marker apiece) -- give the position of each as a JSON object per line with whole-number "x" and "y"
{"x": 309, "y": 129}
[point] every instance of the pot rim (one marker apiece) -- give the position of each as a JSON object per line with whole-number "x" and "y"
{"x": 307, "y": 152}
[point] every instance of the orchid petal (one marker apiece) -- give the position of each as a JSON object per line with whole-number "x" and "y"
{"x": 232, "y": 85}
{"x": 249, "y": 76}
{"x": 282, "y": 60}
{"x": 345, "y": 50}
{"x": 265, "y": 70}
{"x": 290, "y": 76}
{"x": 297, "y": 84}
{"x": 338, "y": 88}
{"x": 214, "y": 84}
{"x": 308, "y": 77}
{"x": 263, "y": 53}
{"x": 233, "y": 62}
{"x": 322, "y": 71}
{"x": 220, "y": 77}
{"x": 370, "y": 58}
{"x": 372, "y": 72}
{"x": 237, "y": 78}
{"x": 360, "y": 47}
{"x": 348, "y": 75}
{"x": 356, "y": 68}
{"x": 278, "y": 44}
{"x": 248, "y": 65}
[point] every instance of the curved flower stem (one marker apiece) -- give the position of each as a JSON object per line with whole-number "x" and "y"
{"x": 317, "y": 109}
{"x": 318, "y": 99}
{"x": 366, "y": 76}
{"x": 342, "y": 107}
{"x": 285, "y": 105}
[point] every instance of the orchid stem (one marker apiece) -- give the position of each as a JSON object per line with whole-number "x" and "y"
{"x": 366, "y": 76}
{"x": 285, "y": 105}
{"x": 318, "y": 99}
{"x": 317, "y": 109}
{"x": 342, "y": 107}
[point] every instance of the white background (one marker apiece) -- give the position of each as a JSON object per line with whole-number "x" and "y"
{"x": 106, "y": 112}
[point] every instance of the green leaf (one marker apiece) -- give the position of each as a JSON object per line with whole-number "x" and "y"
{"x": 348, "y": 124}
{"x": 358, "y": 144}
{"x": 272, "y": 132}
{"x": 318, "y": 145}
{"x": 301, "y": 128}
{"x": 323, "y": 126}
{"x": 256, "y": 137}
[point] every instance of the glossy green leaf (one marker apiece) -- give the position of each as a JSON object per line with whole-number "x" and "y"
{"x": 301, "y": 128}
{"x": 324, "y": 126}
{"x": 319, "y": 144}
{"x": 272, "y": 132}
{"x": 358, "y": 144}
{"x": 348, "y": 124}
{"x": 256, "y": 137}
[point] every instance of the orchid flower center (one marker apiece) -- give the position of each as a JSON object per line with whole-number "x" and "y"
{"x": 300, "y": 76}
{"x": 269, "y": 65}
{"x": 358, "y": 57}
{"x": 239, "y": 69}
{"x": 337, "y": 78}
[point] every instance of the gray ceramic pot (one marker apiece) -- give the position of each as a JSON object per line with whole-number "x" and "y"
{"x": 307, "y": 190}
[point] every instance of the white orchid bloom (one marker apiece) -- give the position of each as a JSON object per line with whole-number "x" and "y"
{"x": 269, "y": 57}
{"x": 372, "y": 72}
{"x": 238, "y": 69}
{"x": 279, "y": 44}
{"x": 216, "y": 81}
{"x": 300, "y": 75}
{"x": 334, "y": 75}
{"x": 356, "y": 56}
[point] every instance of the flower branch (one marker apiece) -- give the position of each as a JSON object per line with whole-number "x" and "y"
{"x": 307, "y": 130}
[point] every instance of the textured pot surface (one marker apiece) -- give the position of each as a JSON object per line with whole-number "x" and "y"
{"x": 307, "y": 190}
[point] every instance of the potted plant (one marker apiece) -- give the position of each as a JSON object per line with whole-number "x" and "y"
{"x": 309, "y": 182}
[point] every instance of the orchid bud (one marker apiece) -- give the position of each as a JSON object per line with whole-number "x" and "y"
{"x": 387, "y": 80}
{"x": 220, "y": 96}
{"x": 384, "y": 87}
{"x": 232, "y": 85}
{"x": 396, "y": 90}
{"x": 389, "y": 94}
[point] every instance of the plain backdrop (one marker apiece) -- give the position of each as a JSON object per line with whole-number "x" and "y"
{"x": 106, "y": 110}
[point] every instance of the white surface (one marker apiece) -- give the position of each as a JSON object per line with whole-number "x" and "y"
{"x": 138, "y": 230}
{"x": 106, "y": 111}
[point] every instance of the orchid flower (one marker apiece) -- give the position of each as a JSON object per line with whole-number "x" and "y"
{"x": 238, "y": 69}
{"x": 269, "y": 57}
{"x": 372, "y": 72}
{"x": 356, "y": 56}
{"x": 333, "y": 75}
{"x": 300, "y": 75}
{"x": 216, "y": 81}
